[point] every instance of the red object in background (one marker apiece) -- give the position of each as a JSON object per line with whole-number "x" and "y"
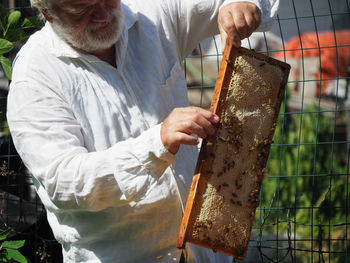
{"x": 332, "y": 47}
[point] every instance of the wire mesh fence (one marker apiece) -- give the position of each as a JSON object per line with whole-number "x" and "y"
{"x": 304, "y": 211}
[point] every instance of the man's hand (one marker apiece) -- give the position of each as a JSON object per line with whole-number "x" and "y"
{"x": 238, "y": 21}
{"x": 182, "y": 122}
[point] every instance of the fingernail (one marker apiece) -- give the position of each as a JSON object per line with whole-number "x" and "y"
{"x": 216, "y": 118}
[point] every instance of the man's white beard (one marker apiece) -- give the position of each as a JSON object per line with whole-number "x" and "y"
{"x": 88, "y": 41}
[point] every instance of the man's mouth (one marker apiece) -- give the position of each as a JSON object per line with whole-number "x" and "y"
{"x": 105, "y": 26}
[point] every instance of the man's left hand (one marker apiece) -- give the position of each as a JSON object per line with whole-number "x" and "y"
{"x": 237, "y": 21}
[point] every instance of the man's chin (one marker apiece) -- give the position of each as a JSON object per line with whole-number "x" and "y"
{"x": 90, "y": 41}
{"x": 100, "y": 44}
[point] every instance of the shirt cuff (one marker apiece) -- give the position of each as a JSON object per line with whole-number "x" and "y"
{"x": 139, "y": 162}
{"x": 158, "y": 148}
{"x": 150, "y": 151}
{"x": 257, "y": 3}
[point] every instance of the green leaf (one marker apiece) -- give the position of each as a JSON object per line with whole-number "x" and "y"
{"x": 5, "y": 46}
{"x": 14, "y": 18}
{"x": 6, "y": 66}
{"x": 16, "y": 256}
{"x": 15, "y": 34}
{"x": 5, "y": 233}
{"x": 13, "y": 244}
{"x": 3, "y": 16}
{"x": 32, "y": 22}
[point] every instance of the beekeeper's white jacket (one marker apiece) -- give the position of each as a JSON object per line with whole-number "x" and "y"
{"x": 90, "y": 133}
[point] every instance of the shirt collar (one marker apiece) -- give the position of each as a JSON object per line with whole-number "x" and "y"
{"x": 60, "y": 48}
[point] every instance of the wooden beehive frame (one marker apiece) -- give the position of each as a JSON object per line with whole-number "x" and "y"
{"x": 203, "y": 171}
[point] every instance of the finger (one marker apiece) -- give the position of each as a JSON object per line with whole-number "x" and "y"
{"x": 241, "y": 25}
{"x": 191, "y": 127}
{"x": 197, "y": 125}
{"x": 228, "y": 26}
{"x": 250, "y": 22}
{"x": 253, "y": 22}
{"x": 182, "y": 122}
{"x": 198, "y": 121}
{"x": 257, "y": 18}
{"x": 183, "y": 138}
{"x": 223, "y": 37}
{"x": 213, "y": 118}
{"x": 172, "y": 144}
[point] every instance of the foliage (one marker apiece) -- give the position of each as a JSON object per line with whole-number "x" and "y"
{"x": 13, "y": 29}
{"x": 9, "y": 249}
{"x": 304, "y": 161}
{"x": 305, "y": 192}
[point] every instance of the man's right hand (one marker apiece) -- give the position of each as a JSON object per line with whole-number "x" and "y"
{"x": 237, "y": 21}
{"x": 182, "y": 123}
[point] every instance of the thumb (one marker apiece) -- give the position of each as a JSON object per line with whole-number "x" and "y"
{"x": 223, "y": 36}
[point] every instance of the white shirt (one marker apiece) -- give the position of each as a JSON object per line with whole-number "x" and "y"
{"x": 90, "y": 133}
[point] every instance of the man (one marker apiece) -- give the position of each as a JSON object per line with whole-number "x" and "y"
{"x": 98, "y": 111}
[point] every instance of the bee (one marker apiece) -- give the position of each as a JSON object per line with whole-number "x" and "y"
{"x": 209, "y": 144}
{"x": 231, "y": 165}
{"x": 256, "y": 144}
{"x": 238, "y": 186}
{"x": 224, "y": 139}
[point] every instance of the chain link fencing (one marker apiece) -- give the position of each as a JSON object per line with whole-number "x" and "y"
{"x": 304, "y": 212}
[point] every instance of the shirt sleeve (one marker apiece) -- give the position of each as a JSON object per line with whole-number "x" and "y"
{"x": 196, "y": 20}
{"x": 50, "y": 142}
